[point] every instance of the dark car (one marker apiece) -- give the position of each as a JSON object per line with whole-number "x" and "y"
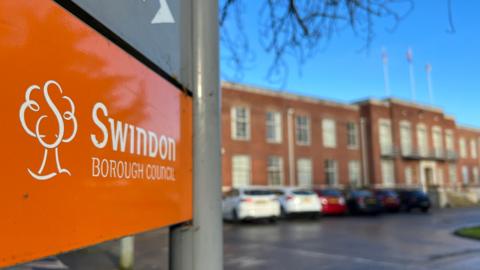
{"x": 414, "y": 199}
{"x": 362, "y": 202}
{"x": 332, "y": 200}
{"x": 388, "y": 199}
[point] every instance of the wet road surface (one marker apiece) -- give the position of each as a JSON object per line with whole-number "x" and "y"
{"x": 397, "y": 241}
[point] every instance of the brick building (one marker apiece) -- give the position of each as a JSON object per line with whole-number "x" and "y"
{"x": 277, "y": 138}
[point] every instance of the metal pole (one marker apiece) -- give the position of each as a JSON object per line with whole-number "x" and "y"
{"x": 428, "y": 69}
{"x": 291, "y": 154}
{"x": 200, "y": 246}
{"x": 386, "y": 79}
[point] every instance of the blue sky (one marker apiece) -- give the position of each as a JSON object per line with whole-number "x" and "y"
{"x": 344, "y": 73}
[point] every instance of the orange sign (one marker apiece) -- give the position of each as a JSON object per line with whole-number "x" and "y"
{"x": 95, "y": 145}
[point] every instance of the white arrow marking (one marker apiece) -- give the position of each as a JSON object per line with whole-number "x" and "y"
{"x": 164, "y": 14}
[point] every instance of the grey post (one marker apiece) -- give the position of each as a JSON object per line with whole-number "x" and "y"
{"x": 200, "y": 246}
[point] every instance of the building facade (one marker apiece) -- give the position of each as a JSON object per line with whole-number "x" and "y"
{"x": 277, "y": 138}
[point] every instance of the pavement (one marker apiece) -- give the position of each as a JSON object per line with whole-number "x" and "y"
{"x": 394, "y": 241}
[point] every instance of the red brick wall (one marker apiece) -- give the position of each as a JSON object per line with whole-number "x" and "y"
{"x": 260, "y": 101}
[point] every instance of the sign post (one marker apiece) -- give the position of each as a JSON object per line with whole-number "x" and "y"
{"x": 200, "y": 246}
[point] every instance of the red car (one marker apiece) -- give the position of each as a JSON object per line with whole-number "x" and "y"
{"x": 332, "y": 200}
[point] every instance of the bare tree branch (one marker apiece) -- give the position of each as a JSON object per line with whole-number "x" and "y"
{"x": 298, "y": 28}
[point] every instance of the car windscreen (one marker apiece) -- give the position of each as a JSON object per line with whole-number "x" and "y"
{"x": 387, "y": 193}
{"x": 362, "y": 193}
{"x": 258, "y": 192}
{"x": 330, "y": 192}
{"x": 303, "y": 192}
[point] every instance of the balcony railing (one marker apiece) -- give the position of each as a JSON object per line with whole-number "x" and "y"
{"x": 438, "y": 154}
{"x": 389, "y": 152}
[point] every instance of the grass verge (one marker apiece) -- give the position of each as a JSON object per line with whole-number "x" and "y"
{"x": 473, "y": 232}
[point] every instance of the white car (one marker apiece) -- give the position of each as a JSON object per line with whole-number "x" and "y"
{"x": 299, "y": 201}
{"x": 250, "y": 203}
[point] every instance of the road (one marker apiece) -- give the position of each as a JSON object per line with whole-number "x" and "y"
{"x": 397, "y": 241}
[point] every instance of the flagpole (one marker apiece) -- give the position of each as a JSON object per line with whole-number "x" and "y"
{"x": 386, "y": 78}
{"x": 412, "y": 74}
{"x": 428, "y": 69}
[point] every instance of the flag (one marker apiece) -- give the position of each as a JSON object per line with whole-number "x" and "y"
{"x": 428, "y": 68}
{"x": 384, "y": 56}
{"x": 410, "y": 55}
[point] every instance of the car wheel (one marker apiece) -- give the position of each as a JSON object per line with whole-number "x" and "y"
{"x": 424, "y": 210}
{"x": 272, "y": 220}
{"x": 234, "y": 216}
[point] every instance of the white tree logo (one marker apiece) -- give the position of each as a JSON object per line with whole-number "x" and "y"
{"x": 51, "y": 146}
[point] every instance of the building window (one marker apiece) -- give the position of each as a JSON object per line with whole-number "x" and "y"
{"x": 354, "y": 173}
{"x": 274, "y": 127}
{"x": 352, "y": 133}
{"x": 386, "y": 147}
{"x": 406, "y": 137}
{"x": 241, "y": 171}
{"x": 422, "y": 140}
{"x": 437, "y": 141}
{"x": 440, "y": 176}
{"x": 465, "y": 175}
{"x": 388, "y": 173}
{"x": 452, "y": 171}
{"x": 463, "y": 148}
{"x": 449, "y": 143}
{"x": 303, "y": 130}
{"x": 331, "y": 172}
{"x": 304, "y": 171}
{"x": 329, "y": 133}
{"x": 275, "y": 170}
{"x": 473, "y": 148}
{"x": 240, "y": 123}
{"x": 476, "y": 176}
{"x": 408, "y": 176}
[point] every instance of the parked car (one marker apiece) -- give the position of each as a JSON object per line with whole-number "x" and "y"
{"x": 388, "y": 199}
{"x": 362, "y": 202}
{"x": 414, "y": 198}
{"x": 332, "y": 200}
{"x": 299, "y": 201}
{"x": 250, "y": 203}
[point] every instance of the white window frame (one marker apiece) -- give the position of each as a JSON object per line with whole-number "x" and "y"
{"x": 406, "y": 137}
{"x": 423, "y": 148}
{"x": 329, "y": 132}
{"x": 302, "y": 128}
{"x": 408, "y": 170}
{"x": 475, "y": 174}
{"x": 463, "y": 147}
{"x": 437, "y": 138}
{"x": 473, "y": 148}
{"x": 452, "y": 173}
{"x": 235, "y": 121}
{"x": 246, "y": 173}
{"x": 275, "y": 125}
{"x": 331, "y": 168}
{"x": 465, "y": 175}
{"x": 352, "y": 135}
{"x": 305, "y": 172}
{"x": 354, "y": 173}
{"x": 385, "y": 136}
{"x": 388, "y": 173}
{"x": 275, "y": 168}
{"x": 450, "y": 142}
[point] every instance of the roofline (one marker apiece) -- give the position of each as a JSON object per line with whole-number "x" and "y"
{"x": 282, "y": 94}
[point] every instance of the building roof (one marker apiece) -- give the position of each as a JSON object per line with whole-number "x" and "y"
{"x": 354, "y": 106}
{"x": 286, "y": 95}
